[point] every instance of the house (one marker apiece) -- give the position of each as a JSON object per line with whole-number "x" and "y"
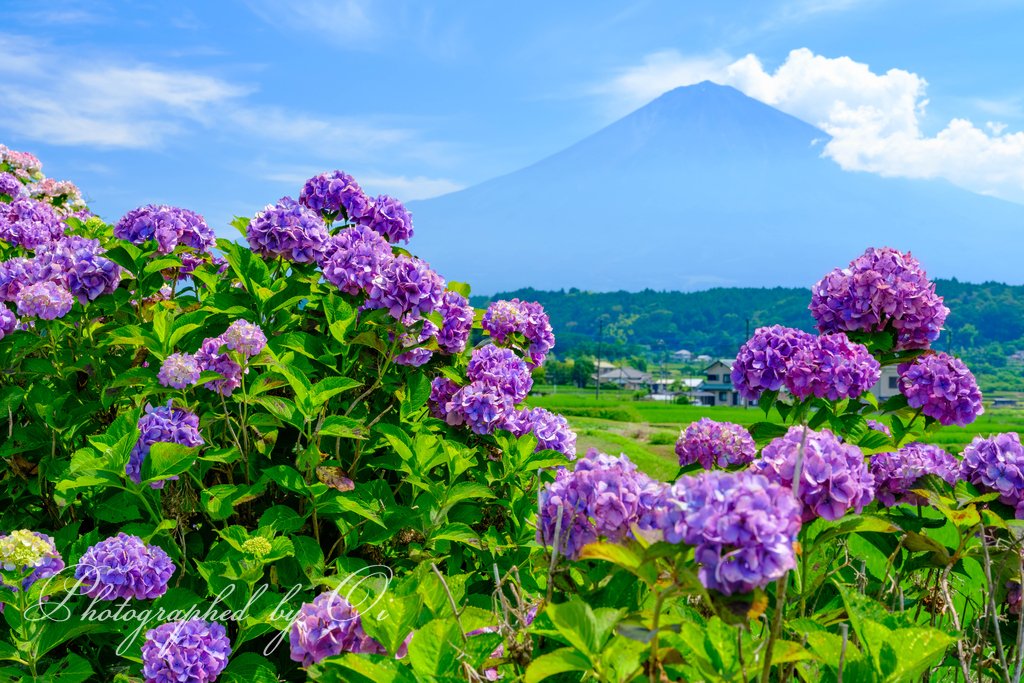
{"x": 703, "y": 358}
{"x": 716, "y": 388}
{"x": 682, "y": 356}
{"x": 625, "y": 378}
{"x": 888, "y": 384}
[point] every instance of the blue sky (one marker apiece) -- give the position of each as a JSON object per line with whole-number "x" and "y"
{"x": 225, "y": 106}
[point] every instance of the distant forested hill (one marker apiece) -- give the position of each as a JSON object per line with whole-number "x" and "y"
{"x": 986, "y": 323}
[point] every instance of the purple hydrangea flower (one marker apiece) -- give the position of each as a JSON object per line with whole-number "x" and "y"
{"x": 8, "y": 321}
{"x": 93, "y": 276}
{"x": 481, "y": 406}
{"x": 178, "y": 371}
{"x": 742, "y": 524}
{"x": 442, "y": 390}
{"x": 762, "y": 362}
{"x": 354, "y": 257}
{"x": 405, "y": 285}
{"x": 11, "y": 186}
{"x": 44, "y": 300}
{"x": 879, "y": 427}
{"x": 168, "y": 225}
{"x": 943, "y": 388}
{"x": 457, "y": 322}
{"x": 326, "y": 627}
{"x": 124, "y": 567}
{"x": 415, "y": 357}
{"x": 336, "y": 193}
{"x": 551, "y": 430}
{"x": 287, "y": 230}
{"x": 245, "y": 338}
{"x": 834, "y": 478}
{"x": 501, "y": 369}
{"x": 29, "y": 223}
{"x": 163, "y": 424}
{"x": 997, "y": 464}
{"x": 832, "y": 367}
{"x": 880, "y": 289}
{"x": 15, "y": 274}
{"x": 194, "y": 651}
{"x": 602, "y": 497}
{"x": 390, "y": 218}
{"x": 715, "y": 444}
{"x": 896, "y": 473}
{"x": 503, "y": 319}
{"x": 211, "y": 357}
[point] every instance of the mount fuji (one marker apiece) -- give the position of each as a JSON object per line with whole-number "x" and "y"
{"x": 706, "y": 187}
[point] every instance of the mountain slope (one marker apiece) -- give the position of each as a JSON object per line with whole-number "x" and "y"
{"x": 705, "y": 187}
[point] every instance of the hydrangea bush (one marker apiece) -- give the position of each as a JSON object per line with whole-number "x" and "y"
{"x": 303, "y": 455}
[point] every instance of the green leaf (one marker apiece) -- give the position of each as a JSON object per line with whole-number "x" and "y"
{"x": 166, "y": 460}
{"x": 457, "y": 531}
{"x": 344, "y": 427}
{"x": 460, "y": 287}
{"x": 70, "y": 669}
{"x": 323, "y": 390}
{"x": 577, "y": 624}
{"x": 432, "y": 650}
{"x": 560, "y": 661}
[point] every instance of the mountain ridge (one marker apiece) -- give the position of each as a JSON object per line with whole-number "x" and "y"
{"x": 704, "y": 187}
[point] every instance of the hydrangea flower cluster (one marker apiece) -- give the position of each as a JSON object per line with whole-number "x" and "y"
{"x": 498, "y": 381}
{"x": 997, "y": 464}
{"x": 388, "y": 217}
{"x": 353, "y": 258}
{"x": 896, "y": 473}
{"x": 880, "y": 289}
{"x": 212, "y": 357}
{"x": 602, "y": 497}
{"x": 71, "y": 262}
{"x": 831, "y": 366}
{"x": 833, "y": 477}
{"x": 335, "y": 194}
{"x": 762, "y": 362}
{"x": 22, "y": 164}
{"x": 715, "y": 444}
{"x": 44, "y": 300}
{"x": 326, "y": 627}
{"x": 503, "y": 319}
{"x": 170, "y": 226}
{"x": 178, "y": 371}
{"x": 31, "y": 553}
{"x": 11, "y": 186}
{"x": 551, "y": 430}
{"x": 245, "y": 338}
{"x": 195, "y": 651}
{"x": 943, "y": 388}
{"x": 29, "y": 223}
{"x": 405, "y": 285}
{"x": 124, "y": 567}
{"x": 163, "y": 424}
{"x": 416, "y": 355}
{"x": 63, "y": 195}
{"x": 743, "y": 527}
{"x": 456, "y": 322}
{"x": 8, "y": 321}
{"x": 287, "y": 230}
{"x": 877, "y": 426}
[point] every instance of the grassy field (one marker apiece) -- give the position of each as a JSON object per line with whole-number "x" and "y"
{"x": 646, "y": 431}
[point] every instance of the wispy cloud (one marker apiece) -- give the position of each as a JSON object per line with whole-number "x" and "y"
{"x": 874, "y": 119}
{"x": 346, "y": 22}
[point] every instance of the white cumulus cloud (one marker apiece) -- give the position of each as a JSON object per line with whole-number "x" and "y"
{"x": 875, "y": 119}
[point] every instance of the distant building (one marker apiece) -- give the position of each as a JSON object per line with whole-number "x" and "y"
{"x": 1016, "y": 357}
{"x": 888, "y": 384}
{"x": 703, "y": 358}
{"x": 716, "y": 388}
{"x": 682, "y": 355}
{"x": 626, "y": 378}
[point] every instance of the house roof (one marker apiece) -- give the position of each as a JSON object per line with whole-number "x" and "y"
{"x": 625, "y": 374}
